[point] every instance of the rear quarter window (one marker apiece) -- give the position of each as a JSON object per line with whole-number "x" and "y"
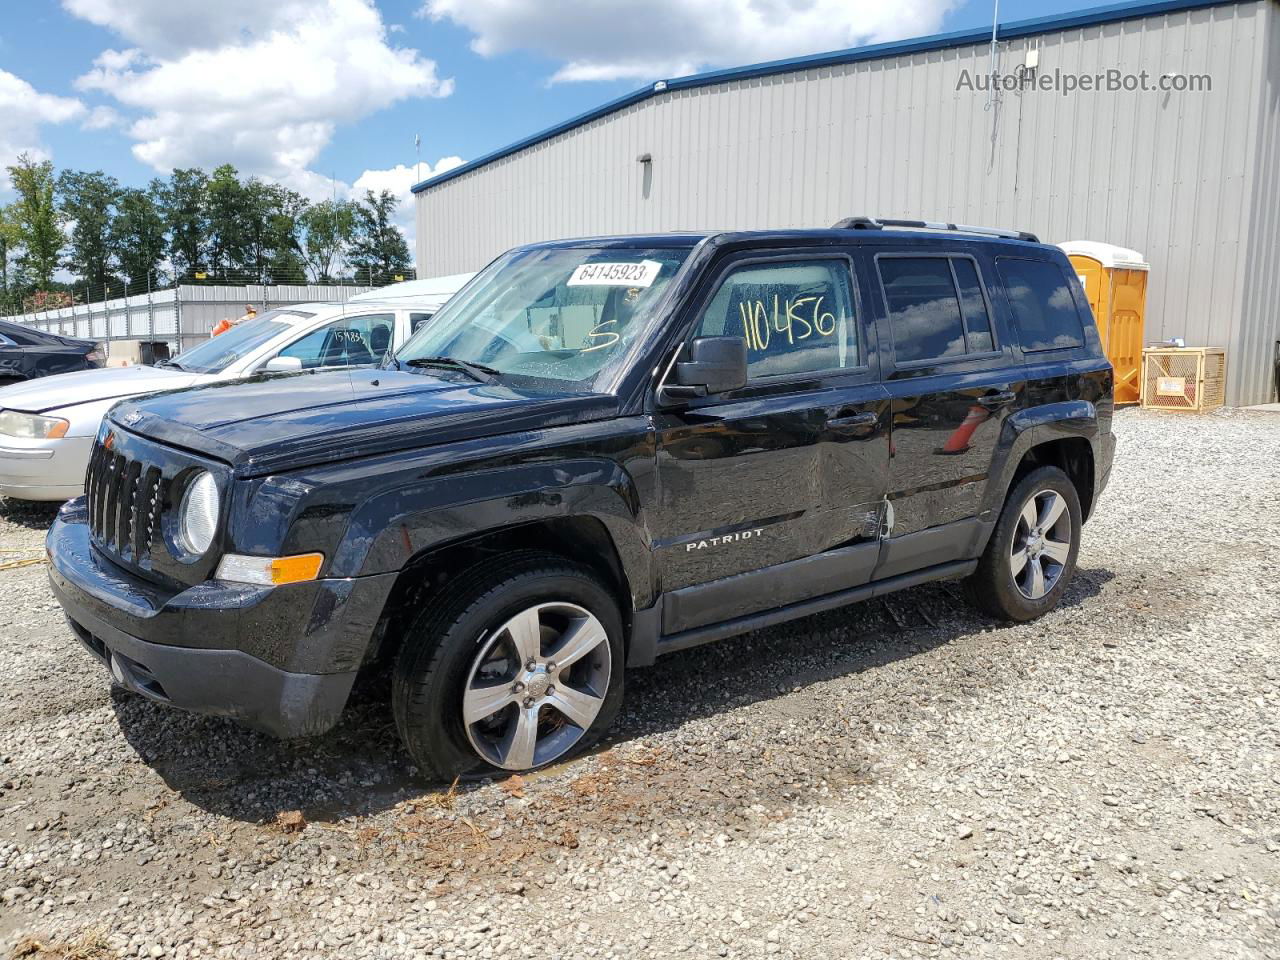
{"x": 1044, "y": 309}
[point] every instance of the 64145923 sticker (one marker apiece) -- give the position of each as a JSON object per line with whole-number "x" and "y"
{"x": 636, "y": 274}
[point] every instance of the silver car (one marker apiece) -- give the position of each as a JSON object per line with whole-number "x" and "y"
{"x": 47, "y": 426}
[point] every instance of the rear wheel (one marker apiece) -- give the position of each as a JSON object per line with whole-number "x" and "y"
{"x": 1031, "y": 555}
{"x": 518, "y": 666}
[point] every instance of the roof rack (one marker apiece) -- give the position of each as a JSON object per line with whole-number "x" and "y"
{"x": 879, "y": 223}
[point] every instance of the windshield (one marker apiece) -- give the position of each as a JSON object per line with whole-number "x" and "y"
{"x": 218, "y": 353}
{"x": 550, "y": 318}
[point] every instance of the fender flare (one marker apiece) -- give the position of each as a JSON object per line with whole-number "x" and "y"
{"x": 391, "y": 529}
{"x": 1026, "y": 430}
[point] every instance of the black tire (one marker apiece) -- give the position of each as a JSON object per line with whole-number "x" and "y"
{"x": 434, "y": 667}
{"x": 993, "y": 587}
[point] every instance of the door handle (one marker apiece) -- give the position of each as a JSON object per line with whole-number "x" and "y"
{"x": 855, "y": 423}
{"x": 994, "y": 401}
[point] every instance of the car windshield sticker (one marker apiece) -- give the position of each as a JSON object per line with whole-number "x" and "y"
{"x": 640, "y": 274}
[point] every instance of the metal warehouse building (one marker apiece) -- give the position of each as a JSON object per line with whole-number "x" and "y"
{"x": 1191, "y": 179}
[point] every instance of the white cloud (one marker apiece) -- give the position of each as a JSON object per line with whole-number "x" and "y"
{"x": 23, "y": 111}
{"x": 102, "y": 118}
{"x": 400, "y": 180}
{"x": 165, "y": 27}
{"x": 262, "y": 86}
{"x": 622, "y": 39}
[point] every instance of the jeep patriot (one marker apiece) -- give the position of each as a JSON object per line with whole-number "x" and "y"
{"x": 599, "y": 452}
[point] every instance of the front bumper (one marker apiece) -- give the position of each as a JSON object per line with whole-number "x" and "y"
{"x": 43, "y": 469}
{"x": 278, "y": 659}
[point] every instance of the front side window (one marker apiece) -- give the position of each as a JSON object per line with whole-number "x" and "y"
{"x": 5, "y": 341}
{"x": 551, "y": 317}
{"x": 1043, "y": 307}
{"x": 796, "y": 316}
{"x": 218, "y": 353}
{"x": 348, "y": 342}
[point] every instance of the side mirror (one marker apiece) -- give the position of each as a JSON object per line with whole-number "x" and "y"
{"x": 709, "y": 365}
{"x": 283, "y": 365}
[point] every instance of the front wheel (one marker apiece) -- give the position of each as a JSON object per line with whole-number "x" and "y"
{"x": 518, "y": 666}
{"x": 1031, "y": 555}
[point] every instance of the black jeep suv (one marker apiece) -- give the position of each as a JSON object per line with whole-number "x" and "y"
{"x": 600, "y": 451}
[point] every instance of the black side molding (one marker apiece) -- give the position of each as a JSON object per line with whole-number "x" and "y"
{"x": 641, "y": 645}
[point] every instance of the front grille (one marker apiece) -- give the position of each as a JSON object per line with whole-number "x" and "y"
{"x": 125, "y": 498}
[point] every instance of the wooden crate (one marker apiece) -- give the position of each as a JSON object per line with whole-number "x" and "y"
{"x": 1184, "y": 378}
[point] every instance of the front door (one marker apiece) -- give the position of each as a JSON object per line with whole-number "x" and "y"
{"x": 767, "y": 493}
{"x": 949, "y": 378}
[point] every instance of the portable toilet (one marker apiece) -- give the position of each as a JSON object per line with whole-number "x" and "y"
{"x": 1115, "y": 284}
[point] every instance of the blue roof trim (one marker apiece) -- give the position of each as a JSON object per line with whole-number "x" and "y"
{"x": 875, "y": 51}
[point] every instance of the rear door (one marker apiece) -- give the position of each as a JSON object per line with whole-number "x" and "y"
{"x": 772, "y": 494}
{"x": 953, "y": 378}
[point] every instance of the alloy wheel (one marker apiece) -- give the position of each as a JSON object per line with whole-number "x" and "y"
{"x": 1041, "y": 544}
{"x": 537, "y": 685}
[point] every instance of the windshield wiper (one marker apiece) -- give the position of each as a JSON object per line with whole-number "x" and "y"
{"x": 477, "y": 371}
{"x": 171, "y": 363}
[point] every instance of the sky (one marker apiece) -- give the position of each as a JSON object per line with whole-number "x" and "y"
{"x": 327, "y": 96}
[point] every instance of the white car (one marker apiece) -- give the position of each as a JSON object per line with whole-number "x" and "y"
{"x": 47, "y": 426}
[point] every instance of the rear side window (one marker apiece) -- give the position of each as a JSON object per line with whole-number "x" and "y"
{"x": 418, "y": 319}
{"x": 1043, "y": 307}
{"x": 796, "y": 316}
{"x": 936, "y": 306}
{"x": 15, "y": 338}
{"x": 977, "y": 322}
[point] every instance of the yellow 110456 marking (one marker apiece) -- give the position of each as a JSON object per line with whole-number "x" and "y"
{"x": 788, "y": 317}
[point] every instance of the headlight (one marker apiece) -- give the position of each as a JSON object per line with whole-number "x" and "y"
{"x": 32, "y": 427}
{"x": 198, "y": 515}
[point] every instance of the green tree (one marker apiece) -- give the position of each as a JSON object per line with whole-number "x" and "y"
{"x": 87, "y": 201}
{"x": 378, "y": 248}
{"x": 270, "y": 230}
{"x": 184, "y": 203}
{"x": 8, "y": 243}
{"x": 327, "y": 230}
{"x": 138, "y": 231}
{"x": 37, "y": 222}
{"x": 228, "y": 249}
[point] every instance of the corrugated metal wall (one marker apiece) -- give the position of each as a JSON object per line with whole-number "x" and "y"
{"x": 1255, "y": 347}
{"x": 1172, "y": 175}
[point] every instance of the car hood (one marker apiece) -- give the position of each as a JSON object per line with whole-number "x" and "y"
{"x": 87, "y": 386}
{"x": 276, "y": 422}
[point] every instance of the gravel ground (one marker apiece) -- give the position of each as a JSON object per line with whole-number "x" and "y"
{"x": 898, "y": 779}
